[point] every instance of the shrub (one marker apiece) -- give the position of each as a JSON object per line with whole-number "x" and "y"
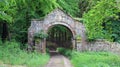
{"x": 41, "y": 35}
{"x": 65, "y": 52}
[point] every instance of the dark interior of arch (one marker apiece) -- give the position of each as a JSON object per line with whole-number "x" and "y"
{"x": 59, "y": 36}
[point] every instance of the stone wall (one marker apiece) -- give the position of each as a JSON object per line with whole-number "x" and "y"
{"x": 101, "y": 45}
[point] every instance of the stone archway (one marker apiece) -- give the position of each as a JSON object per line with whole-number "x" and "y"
{"x": 56, "y": 17}
{"x": 59, "y": 36}
{"x": 47, "y": 27}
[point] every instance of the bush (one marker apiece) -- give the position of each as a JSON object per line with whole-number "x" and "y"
{"x": 65, "y": 52}
{"x": 10, "y": 53}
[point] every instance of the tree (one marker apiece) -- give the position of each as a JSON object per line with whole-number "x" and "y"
{"x": 8, "y": 9}
{"x": 27, "y": 10}
{"x": 97, "y": 15}
{"x": 69, "y": 6}
{"x": 85, "y": 6}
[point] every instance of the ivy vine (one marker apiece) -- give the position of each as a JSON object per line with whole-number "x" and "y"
{"x": 41, "y": 35}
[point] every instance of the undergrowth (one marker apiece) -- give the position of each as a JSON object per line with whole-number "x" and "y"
{"x": 10, "y": 53}
{"x": 91, "y": 59}
{"x": 95, "y": 59}
{"x": 65, "y": 52}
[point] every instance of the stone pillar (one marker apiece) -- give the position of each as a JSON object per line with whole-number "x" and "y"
{"x": 38, "y": 45}
{"x": 78, "y": 44}
{"x": 44, "y": 45}
{"x": 30, "y": 41}
{"x": 73, "y": 43}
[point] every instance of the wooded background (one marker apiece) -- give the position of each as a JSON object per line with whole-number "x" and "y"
{"x": 101, "y": 17}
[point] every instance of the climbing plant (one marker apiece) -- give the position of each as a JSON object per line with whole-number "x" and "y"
{"x": 41, "y": 35}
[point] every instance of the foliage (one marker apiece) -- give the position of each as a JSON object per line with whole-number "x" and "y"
{"x": 69, "y": 6}
{"x": 65, "y": 52}
{"x": 20, "y": 12}
{"x": 118, "y": 3}
{"x": 41, "y": 35}
{"x": 78, "y": 37}
{"x": 57, "y": 28}
{"x": 23, "y": 10}
{"x": 114, "y": 26}
{"x": 97, "y": 15}
{"x": 48, "y": 6}
{"x": 7, "y": 10}
{"x": 84, "y": 6}
{"x": 10, "y": 53}
{"x": 100, "y": 18}
{"x": 95, "y": 59}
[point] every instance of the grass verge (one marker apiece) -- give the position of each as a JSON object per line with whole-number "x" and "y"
{"x": 95, "y": 59}
{"x": 91, "y": 59}
{"x": 11, "y": 54}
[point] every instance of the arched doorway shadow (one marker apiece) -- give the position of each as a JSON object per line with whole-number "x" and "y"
{"x": 59, "y": 36}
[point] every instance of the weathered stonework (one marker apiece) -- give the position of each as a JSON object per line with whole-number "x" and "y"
{"x": 102, "y": 45}
{"x": 54, "y": 18}
{"x": 59, "y": 17}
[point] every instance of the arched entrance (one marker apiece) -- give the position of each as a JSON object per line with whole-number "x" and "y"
{"x": 57, "y": 19}
{"x": 59, "y": 36}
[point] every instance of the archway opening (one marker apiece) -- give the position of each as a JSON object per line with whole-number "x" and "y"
{"x": 59, "y": 36}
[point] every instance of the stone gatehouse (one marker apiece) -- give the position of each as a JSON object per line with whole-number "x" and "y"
{"x": 56, "y": 17}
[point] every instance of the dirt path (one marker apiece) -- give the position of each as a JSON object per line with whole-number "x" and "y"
{"x": 58, "y": 60}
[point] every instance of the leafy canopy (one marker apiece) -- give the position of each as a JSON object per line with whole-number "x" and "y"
{"x": 7, "y": 10}
{"x": 98, "y": 15}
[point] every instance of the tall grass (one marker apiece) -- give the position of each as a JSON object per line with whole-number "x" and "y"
{"x": 95, "y": 59}
{"x": 10, "y": 53}
{"x": 91, "y": 59}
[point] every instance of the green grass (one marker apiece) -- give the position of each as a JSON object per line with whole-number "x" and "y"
{"x": 95, "y": 59}
{"x": 10, "y": 53}
{"x": 91, "y": 59}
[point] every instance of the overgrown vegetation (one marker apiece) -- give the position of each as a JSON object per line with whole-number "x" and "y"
{"x": 97, "y": 15}
{"x": 40, "y": 35}
{"x": 101, "y": 18}
{"x": 11, "y": 54}
{"x": 96, "y": 20}
{"x": 95, "y": 59}
{"x": 91, "y": 59}
{"x": 65, "y": 52}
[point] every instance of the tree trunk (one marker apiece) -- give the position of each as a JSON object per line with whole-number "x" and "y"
{"x": 5, "y": 33}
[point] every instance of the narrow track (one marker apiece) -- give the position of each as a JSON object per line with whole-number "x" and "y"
{"x": 58, "y": 60}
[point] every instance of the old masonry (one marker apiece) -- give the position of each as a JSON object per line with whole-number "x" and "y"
{"x": 56, "y": 17}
